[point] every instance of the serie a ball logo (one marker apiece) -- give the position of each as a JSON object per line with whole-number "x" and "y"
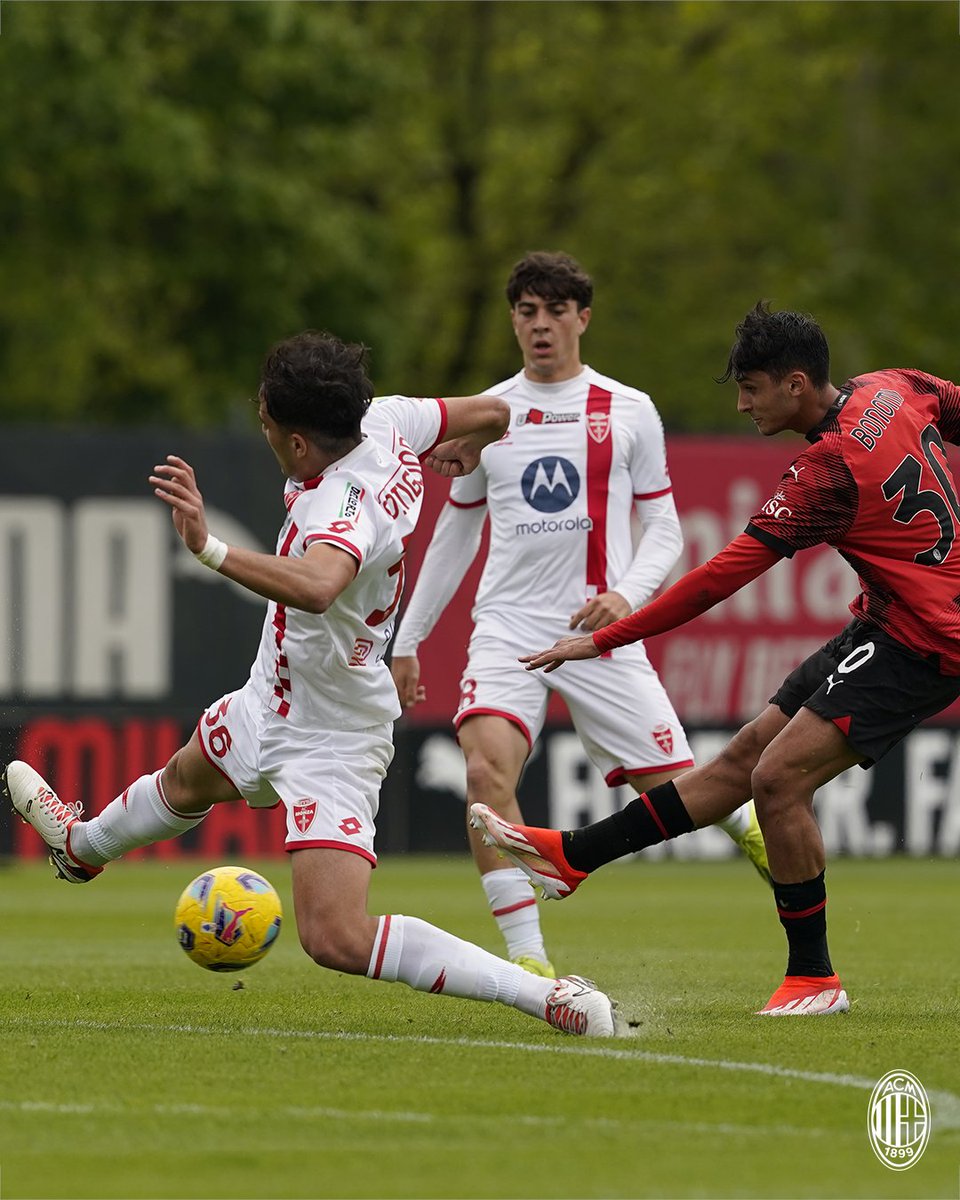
{"x": 898, "y": 1120}
{"x": 228, "y": 918}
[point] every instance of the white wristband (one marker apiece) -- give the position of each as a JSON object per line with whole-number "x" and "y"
{"x": 213, "y": 553}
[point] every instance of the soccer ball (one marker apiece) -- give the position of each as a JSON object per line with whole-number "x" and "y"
{"x": 228, "y": 918}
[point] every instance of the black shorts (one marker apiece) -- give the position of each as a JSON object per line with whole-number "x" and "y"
{"x": 872, "y": 687}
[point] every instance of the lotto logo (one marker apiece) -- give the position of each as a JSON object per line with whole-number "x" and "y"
{"x": 350, "y": 826}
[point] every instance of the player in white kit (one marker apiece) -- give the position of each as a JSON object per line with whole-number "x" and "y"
{"x": 312, "y": 726}
{"x": 583, "y": 453}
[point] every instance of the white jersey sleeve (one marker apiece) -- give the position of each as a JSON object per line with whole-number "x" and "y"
{"x": 470, "y": 491}
{"x": 337, "y": 514}
{"x": 657, "y": 550}
{"x": 453, "y": 547}
{"x": 661, "y": 539}
{"x": 648, "y": 460}
{"x": 420, "y": 422}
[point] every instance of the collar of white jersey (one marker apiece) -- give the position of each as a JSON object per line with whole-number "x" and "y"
{"x": 294, "y": 488}
{"x": 557, "y": 390}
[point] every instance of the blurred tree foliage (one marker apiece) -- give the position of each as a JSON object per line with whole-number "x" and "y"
{"x": 184, "y": 183}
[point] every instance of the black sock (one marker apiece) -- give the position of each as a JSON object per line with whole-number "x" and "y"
{"x": 653, "y": 817}
{"x": 802, "y": 908}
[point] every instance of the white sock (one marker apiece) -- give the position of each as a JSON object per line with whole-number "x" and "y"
{"x": 513, "y": 905}
{"x": 737, "y": 824}
{"x": 138, "y": 817}
{"x": 428, "y": 959}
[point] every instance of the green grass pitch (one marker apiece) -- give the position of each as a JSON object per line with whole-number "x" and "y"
{"x": 126, "y": 1071}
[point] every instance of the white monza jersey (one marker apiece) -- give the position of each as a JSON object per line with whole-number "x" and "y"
{"x": 327, "y": 669}
{"x": 560, "y": 487}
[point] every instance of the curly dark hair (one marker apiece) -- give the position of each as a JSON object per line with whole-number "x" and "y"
{"x": 551, "y": 276}
{"x": 315, "y": 384}
{"x": 778, "y": 343}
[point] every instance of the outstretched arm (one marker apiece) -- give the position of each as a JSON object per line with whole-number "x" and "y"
{"x": 742, "y": 561}
{"x": 657, "y": 550}
{"x": 311, "y": 583}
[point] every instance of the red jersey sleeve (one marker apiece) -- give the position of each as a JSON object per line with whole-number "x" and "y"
{"x": 816, "y": 501}
{"x": 738, "y": 564}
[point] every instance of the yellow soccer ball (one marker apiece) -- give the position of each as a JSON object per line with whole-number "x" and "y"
{"x": 228, "y": 918}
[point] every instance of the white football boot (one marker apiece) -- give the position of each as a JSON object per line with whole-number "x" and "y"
{"x": 577, "y": 1006}
{"x": 38, "y": 805}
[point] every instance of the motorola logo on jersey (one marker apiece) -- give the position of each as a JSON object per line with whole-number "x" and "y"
{"x": 550, "y": 484}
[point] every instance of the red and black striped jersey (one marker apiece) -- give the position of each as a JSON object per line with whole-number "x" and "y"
{"x": 875, "y": 483}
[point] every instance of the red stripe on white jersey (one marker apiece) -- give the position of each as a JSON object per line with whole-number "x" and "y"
{"x": 291, "y": 497}
{"x": 599, "y": 460}
{"x": 332, "y": 540}
{"x": 280, "y": 703}
{"x": 652, "y": 495}
{"x": 441, "y": 431}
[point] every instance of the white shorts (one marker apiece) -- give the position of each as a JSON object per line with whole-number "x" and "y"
{"x": 328, "y": 780}
{"x": 617, "y": 704}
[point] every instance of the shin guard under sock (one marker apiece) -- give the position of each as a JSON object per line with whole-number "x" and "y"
{"x": 802, "y": 909}
{"x": 654, "y": 817}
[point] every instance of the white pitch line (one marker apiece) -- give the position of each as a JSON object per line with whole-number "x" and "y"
{"x": 313, "y": 1113}
{"x": 946, "y": 1104}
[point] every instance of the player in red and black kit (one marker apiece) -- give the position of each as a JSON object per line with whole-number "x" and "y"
{"x": 874, "y": 482}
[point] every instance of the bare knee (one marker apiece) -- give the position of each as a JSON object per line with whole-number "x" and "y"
{"x": 738, "y": 760}
{"x": 489, "y": 780}
{"x": 338, "y": 947}
{"x": 177, "y": 787}
{"x": 191, "y": 785}
{"x": 775, "y": 788}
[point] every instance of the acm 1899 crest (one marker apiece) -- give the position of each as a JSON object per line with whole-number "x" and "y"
{"x": 898, "y": 1120}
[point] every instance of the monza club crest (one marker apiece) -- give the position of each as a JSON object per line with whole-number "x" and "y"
{"x": 304, "y": 812}
{"x": 663, "y": 736}
{"x": 598, "y": 425}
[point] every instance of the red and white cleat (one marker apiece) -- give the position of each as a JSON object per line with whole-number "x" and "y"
{"x": 576, "y": 1006}
{"x": 806, "y": 996}
{"x": 38, "y": 805}
{"x": 538, "y": 852}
